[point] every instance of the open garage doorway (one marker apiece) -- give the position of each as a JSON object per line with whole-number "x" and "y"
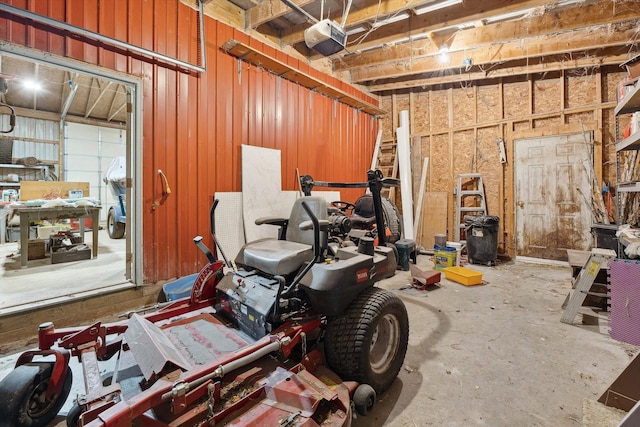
{"x": 73, "y": 121}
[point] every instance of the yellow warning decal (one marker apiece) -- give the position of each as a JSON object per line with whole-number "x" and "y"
{"x": 593, "y": 268}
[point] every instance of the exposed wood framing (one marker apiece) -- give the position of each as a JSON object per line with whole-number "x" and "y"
{"x": 545, "y": 111}
{"x": 269, "y": 10}
{"x": 450, "y": 16}
{"x": 545, "y": 45}
{"x": 226, "y": 12}
{"x": 522, "y": 31}
{"x": 102, "y": 91}
{"x": 534, "y": 66}
{"x": 598, "y": 137}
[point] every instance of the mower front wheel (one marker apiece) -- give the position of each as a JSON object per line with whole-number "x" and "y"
{"x": 22, "y": 395}
{"x": 364, "y": 398}
{"x": 368, "y": 342}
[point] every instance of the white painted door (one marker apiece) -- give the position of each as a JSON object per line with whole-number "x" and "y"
{"x": 551, "y": 214}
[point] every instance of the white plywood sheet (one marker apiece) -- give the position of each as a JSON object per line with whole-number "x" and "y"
{"x": 261, "y": 190}
{"x": 404, "y": 162}
{"x": 229, "y": 223}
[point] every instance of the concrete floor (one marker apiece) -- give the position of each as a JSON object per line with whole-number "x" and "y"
{"x": 45, "y": 284}
{"x": 494, "y": 354}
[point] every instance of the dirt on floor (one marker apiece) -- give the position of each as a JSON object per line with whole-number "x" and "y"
{"x": 497, "y": 354}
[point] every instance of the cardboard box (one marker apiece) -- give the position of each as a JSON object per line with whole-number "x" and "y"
{"x": 633, "y": 66}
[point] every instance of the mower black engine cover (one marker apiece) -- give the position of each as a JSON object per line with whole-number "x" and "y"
{"x": 246, "y": 299}
{"x": 331, "y": 286}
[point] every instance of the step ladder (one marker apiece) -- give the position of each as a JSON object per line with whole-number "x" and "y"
{"x": 469, "y": 187}
{"x": 598, "y": 260}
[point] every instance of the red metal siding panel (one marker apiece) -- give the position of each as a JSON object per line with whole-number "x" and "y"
{"x": 194, "y": 125}
{"x": 223, "y": 118}
{"x": 56, "y": 41}
{"x": 16, "y": 30}
{"x": 106, "y": 26}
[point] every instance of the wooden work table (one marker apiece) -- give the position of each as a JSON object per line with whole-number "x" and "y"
{"x": 31, "y": 214}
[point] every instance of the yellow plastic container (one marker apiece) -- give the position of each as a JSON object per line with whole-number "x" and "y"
{"x": 463, "y": 275}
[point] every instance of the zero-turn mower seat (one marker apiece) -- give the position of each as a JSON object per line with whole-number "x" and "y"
{"x": 282, "y": 257}
{"x": 363, "y": 215}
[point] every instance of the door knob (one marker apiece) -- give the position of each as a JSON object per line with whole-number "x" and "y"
{"x": 521, "y": 204}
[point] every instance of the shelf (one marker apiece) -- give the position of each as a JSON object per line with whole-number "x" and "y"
{"x": 628, "y": 187}
{"x": 252, "y": 56}
{"x": 8, "y": 166}
{"x": 630, "y": 103}
{"x": 631, "y": 143}
{"x": 9, "y": 184}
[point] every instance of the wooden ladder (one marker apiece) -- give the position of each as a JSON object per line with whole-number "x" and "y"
{"x": 583, "y": 282}
{"x": 466, "y": 180}
{"x": 385, "y": 158}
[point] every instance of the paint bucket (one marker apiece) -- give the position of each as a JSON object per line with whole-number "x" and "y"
{"x": 458, "y": 247}
{"x": 444, "y": 257}
{"x": 440, "y": 240}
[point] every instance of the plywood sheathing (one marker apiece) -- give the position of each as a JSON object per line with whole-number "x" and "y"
{"x": 459, "y": 122}
{"x": 422, "y": 122}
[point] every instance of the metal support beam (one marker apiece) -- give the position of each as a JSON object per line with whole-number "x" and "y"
{"x": 16, "y": 11}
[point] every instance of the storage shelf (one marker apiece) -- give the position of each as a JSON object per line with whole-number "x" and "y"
{"x": 248, "y": 54}
{"x": 12, "y": 166}
{"x": 630, "y": 103}
{"x": 628, "y": 187}
{"x": 631, "y": 143}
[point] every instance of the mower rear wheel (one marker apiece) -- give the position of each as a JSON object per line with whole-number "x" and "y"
{"x": 114, "y": 228}
{"x": 368, "y": 342}
{"x": 22, "y": 395}
{"x": 393, "y": 219}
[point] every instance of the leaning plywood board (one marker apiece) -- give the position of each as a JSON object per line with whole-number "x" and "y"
{"x": 32, "y": 190}
{"x": 434, "y": 217}
{"x": 623, "y": 393}
{"x": 229, "y": 224}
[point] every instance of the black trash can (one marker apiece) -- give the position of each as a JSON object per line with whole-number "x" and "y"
{"x": 482, "y": 239}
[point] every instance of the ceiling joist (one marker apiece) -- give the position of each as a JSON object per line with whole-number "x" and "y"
{"x": 511, "y": 69}
{"x": 473, "y": 38}
{"x": 269, "y": 10}
{"x": 576, "y": 41}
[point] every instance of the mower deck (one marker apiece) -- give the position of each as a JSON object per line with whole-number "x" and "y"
{"x": 264, "y": 391}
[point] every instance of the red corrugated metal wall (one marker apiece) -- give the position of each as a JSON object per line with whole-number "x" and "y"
{"x": 194, "y": 125}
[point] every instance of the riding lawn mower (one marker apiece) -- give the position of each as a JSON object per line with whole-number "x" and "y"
{"x": 292, "y": 333}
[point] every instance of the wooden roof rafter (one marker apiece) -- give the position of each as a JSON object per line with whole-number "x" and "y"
{"x": 579, "y": 40}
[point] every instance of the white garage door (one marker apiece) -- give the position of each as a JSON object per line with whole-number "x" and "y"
{"x": 89, "y": 151}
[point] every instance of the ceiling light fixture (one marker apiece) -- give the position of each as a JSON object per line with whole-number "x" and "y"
{"x": 391, "y": 19}
{"x": 444, "y": 54}
{"x": 430, "y": 7}
{"x": 31, "y": 85}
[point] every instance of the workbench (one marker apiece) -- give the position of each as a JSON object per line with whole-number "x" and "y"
{"x": 31, "y": 214}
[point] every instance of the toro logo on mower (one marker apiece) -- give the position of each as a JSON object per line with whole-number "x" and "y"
{"x": 362, "y": 275}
